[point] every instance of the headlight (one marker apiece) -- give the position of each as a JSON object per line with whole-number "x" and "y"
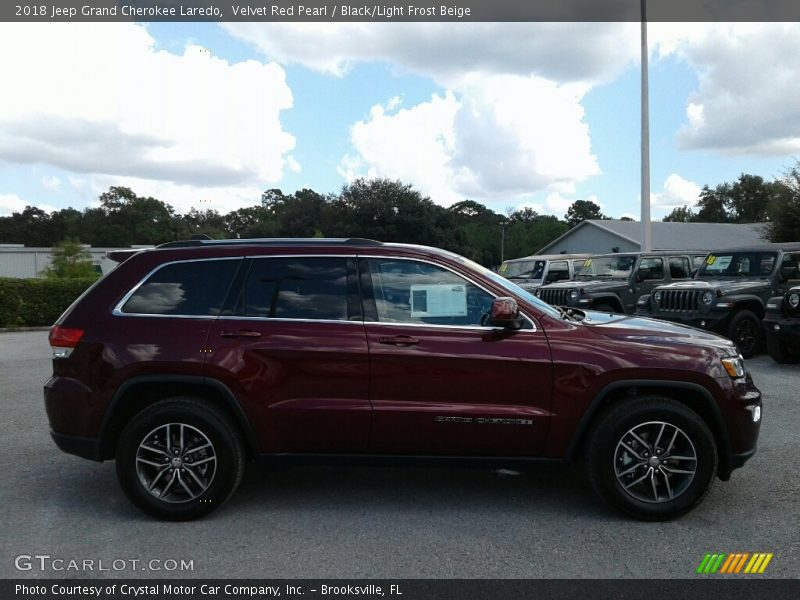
{"x": 707, "y": 297}
{"x": 794, "y": 300}
{"x": 538, "y": 293}
{"x": 658, "y": 296}
{"x": 573, "y": 294}
{"x": 734, "y": 366}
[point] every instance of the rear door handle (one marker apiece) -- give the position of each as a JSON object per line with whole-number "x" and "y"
{"x": 399, "y": 340}
{"x": 240, "y": 333}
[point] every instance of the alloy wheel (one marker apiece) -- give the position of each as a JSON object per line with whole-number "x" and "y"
{"x": 176, "y": 462}
{"x": 655, "y": 462}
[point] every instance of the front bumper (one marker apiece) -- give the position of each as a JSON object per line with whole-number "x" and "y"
{"x": 743, "y": 402}
{"x": 782, "y": 327}
{"x": 716, "y": 322}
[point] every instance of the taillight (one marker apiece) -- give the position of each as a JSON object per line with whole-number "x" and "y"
{"x": 63, "y": 340}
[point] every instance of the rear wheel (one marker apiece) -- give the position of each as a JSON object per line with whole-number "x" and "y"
{"x": 745, "y": 331}
{"x": 179, "y": 459}
{"x": 781, "y": 352}
{"x": 652, "y": 458}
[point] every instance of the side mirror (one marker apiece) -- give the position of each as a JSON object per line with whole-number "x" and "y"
{"x": 643, "y": 274}
{"x": 505, "y": 313}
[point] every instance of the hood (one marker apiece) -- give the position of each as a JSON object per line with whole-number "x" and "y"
{"x": 653, "y": 331}
{"x": 589, "y": 284}
{"x": 725, "y": 286}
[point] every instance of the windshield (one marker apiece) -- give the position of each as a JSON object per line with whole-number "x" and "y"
{"x": 522, "y": 269}
{"x": 617, "y": 267}
{"x": 512, "y": 288}
{"x": 738, "y": 264}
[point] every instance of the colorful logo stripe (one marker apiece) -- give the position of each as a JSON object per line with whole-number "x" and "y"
{"x": 734, "y": 563}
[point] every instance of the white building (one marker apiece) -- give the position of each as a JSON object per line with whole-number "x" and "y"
{"x": 21, "y": 262}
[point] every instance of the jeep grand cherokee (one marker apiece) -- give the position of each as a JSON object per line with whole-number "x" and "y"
{"x": 189, "y": 359}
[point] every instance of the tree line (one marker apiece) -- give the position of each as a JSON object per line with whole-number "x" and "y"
{"x": 750, "y": 199}
{"x": 385, "y": 210}
{"x": 377, "y": 208}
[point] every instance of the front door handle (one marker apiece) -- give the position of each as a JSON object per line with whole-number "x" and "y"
{"x": 399, "y": 340}
{"x": 240, "y": 333}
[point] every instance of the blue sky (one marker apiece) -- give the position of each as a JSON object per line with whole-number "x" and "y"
{"x": 510, "y": 115}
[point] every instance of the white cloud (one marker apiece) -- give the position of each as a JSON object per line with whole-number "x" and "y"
{"x": 446, "y": 51}
{"x": 182, "y": 197}
{"x": 11, "y": 203}
{"x": 500, "y": 138}
{"x": 677, "y": 192}
{"x": 509, "y": 122}
{"x": 749, "y": 82}
{"x": 100, "y": 99}
{"x": 413, "y": 144}
{"x": 51, "y": 183}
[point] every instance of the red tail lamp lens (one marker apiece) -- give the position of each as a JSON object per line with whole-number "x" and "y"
{"x": 63, "y": 337}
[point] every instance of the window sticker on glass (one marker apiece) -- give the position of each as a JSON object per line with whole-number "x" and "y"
{"x": 439, "y": 300}
{"x": 503, "y": 267}
{"x": 711, "y": 259}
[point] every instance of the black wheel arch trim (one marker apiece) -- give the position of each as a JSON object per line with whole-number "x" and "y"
{"x": 718, "y": 427}
{"x": 604, "y": 298}
{"x": 105, "y": 445}
{"x": 742, "y": 302}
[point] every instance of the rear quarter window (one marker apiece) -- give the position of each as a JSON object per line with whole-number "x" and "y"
{"x": 190, "y": 288}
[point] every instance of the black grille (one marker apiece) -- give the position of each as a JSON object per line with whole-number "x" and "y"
{"x": 555, "y": 297}
{"x": 679, "y": 300}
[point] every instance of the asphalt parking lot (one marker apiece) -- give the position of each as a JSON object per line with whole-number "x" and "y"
{"x": 381, "y": 523}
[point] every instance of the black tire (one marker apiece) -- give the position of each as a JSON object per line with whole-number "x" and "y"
{"x": 612, "y": 468}
{"x": 780, "y": 351}
{"x": 177, "y": 432}
{"x": 745, "y": 331}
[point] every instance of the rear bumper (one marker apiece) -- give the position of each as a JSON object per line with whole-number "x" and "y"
{"x": 79, "y": 446}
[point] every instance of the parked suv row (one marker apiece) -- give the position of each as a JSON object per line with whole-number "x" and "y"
{"x": 614, "y": 282}
{"x": 729, "y": 293}
{"x": 190, "y": 359}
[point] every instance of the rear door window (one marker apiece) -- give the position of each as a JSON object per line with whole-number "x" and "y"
{"x": 297, "y": 288}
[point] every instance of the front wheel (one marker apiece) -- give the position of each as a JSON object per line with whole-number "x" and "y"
{"x": 781, "y": 352}
{"x": 652, "y": 458}
{"x": 745, "y": 331}
{"x": 179, "y": 459}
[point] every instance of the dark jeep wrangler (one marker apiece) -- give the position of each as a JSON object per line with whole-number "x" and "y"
{"x": 729, "y": 292}
{"x": 782, "y": 326}
{"x": 613, "y": 282}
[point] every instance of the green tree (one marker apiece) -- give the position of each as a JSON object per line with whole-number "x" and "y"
{"x": 207, "y": 222}
{"x": 70, "y": 260}
{"x": 680, "y": 214}
{"x": 390, "y": 211}
{"x": 478, "y": 232}
{"x": 784, "y": 223}
{"x": 583, "y": 210}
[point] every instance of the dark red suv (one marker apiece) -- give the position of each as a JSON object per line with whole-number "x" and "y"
{"x": 190, "y": 359}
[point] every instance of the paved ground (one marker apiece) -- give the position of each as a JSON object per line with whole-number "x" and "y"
{"x": 382, "y": 523}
